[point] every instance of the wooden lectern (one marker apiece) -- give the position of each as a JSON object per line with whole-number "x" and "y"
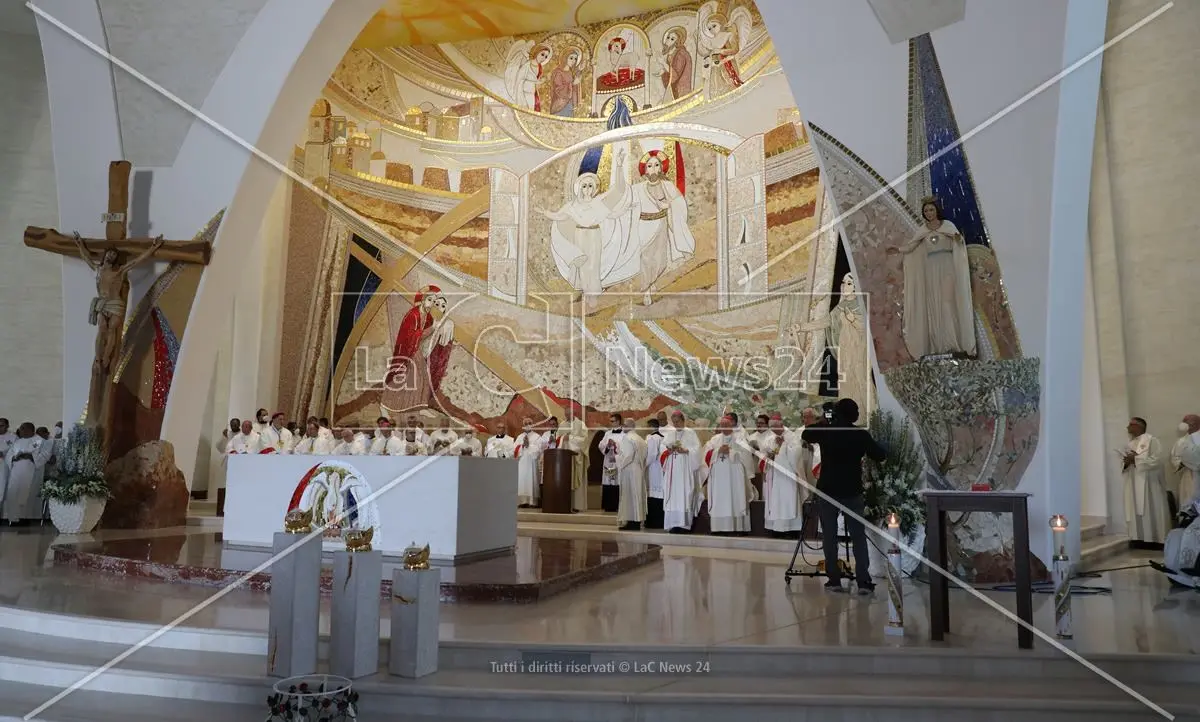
{"x": 557, "y": 468}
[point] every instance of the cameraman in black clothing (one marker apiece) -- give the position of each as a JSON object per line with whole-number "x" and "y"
{"x": 843, "y": 446}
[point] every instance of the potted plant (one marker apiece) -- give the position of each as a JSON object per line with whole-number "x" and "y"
{"x": 893, "y": 486}
{"x": 78, "y": 492}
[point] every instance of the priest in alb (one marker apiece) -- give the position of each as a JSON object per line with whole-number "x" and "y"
{"x": 577, "y": 434}
{"x": 351, "y": 444}
{"x": 527, "y": 449}
{"x": 275, "y": 436}
{"x": 413, "y": 445}
{"x": 22, "y": 461}
{"x": 631, "y": 475}
{"x": 781, "y": 462}
{"x": 1146, "y": 515}
{"x": 246, "y": 441}
{"x": 610, "y": 483}
{"x": 500, "y": 444}
{"x": 313, "y": 442}
{"x": 680, "y": 459}
{"x": 1185, "y": 458}
{"x": 386, "y": 443}
{"x": 723, "y": 472}
{"x": 442, "y": 438}
{"x": 468, "y": 445}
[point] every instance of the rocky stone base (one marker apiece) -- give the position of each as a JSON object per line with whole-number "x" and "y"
{"x": 981, "y": 550}
{"x": 149, "y": 491}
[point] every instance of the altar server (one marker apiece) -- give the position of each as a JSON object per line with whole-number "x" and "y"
{"x": 723, "y": 471}
{"x": 654, "y": 476}
{"x": 499, "y": 445}
{"x": 313, "y": 442}
{"x": 527, "y": 448}
{"x": 387, "y": 443}
{"x": 22, "y": 461}
{"x": 631, "y": 475}
{"x": 1146, "y": 515}
{"x": 781, "y": 462}
{"x": 246, "y": 441}
{"x": 610, "y": 484}
{"x": 1185, "y": 458}
{"x": 680, "y": 459}
{"x": 442, "y": 438}
{"x": 275, "y": 436}
{"x": 351, "y": 444}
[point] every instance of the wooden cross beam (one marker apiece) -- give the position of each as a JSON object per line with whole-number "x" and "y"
{"x": 112, "y": 258}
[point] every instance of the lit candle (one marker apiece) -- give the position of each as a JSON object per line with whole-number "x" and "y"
{"x": 1058, "y": 525}
{"x": 893, "y": 523}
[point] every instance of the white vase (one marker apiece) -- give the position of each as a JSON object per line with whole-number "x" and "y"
{"x": 78, "y": 518}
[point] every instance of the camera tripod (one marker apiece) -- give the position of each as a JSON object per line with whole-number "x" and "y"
{"x": 845, "y": 565}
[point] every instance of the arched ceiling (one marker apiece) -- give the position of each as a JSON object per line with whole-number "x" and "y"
{"x": 421, "y": 22}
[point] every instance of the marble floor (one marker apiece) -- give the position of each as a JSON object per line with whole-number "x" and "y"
{"x": 693, "y": 595}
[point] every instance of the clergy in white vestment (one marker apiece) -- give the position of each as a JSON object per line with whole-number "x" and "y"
{"x": 21, "y": 462}
{"x": 1146, "y": 515}
{"x": 631, "y": 475}
{"x": 387, "y": 443}
{"x": 654, "y": 476}
{"x": 312, "y": 443}
{"x": 499, "y": 445}
{"x": 723, "y": 472}
{"x": 412, "y": 422}
{"x": 557, "y": 438}
{"x": 680, "y": 459}
{"x": 442, "y": 438}
{"x": 246, "y": 441}
{"x": 351, "y": 444}
{"x": 1185, "y": 460}
{"x": 468, "y": 445}
{"x": 610, "y": 483}
{"x": 762, "y": 432}
{"x": 325, "y": 431}
{"x": 527, "y": 448}
{"x": 262, "y": 419}
{"x": 413, "y": 446}
{"x": 577, "y": 435}
{"x": 7, "y": 437}
{"x": 274, "y": 436}
{"x": 35, "y": 507}
{"x": 781, "y": 464}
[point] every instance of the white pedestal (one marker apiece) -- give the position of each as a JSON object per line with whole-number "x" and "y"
{"x": 295, "y": 608}
{"x": 416, "y": 596}
{"x": 354, "y": 615}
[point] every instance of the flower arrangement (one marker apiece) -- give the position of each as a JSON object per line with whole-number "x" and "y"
{"x": 324, "y": 698}
{"x": 893, "y": 484}
{"x": 80, "y": 469}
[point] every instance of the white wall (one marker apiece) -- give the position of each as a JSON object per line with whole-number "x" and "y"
{"x": 1092, "y": 454}
{"x": 30, "y": 280}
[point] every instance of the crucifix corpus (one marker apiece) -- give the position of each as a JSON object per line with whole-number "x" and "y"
{"x": 112, "y": 258}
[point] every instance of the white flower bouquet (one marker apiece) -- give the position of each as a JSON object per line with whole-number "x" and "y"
{"x": 893, "y": 485}
{"x": 80, "y": 469}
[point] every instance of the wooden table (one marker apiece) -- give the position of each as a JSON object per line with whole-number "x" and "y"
{"x": 937, "y": 503}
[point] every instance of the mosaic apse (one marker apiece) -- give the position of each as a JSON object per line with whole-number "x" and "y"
{"x": 975, "y": 405}
{"x": 583, "y": 221}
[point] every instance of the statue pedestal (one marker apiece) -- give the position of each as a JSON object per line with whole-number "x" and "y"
{"x": 354, "y": 619}
{"x": 416, "y": 594}
{"x": 293, "y": 624}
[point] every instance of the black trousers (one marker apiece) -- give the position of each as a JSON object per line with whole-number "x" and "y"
{"x": 654, "y": 513}
{"x": 610, "y": 497}
{"x": 828, "y": 514}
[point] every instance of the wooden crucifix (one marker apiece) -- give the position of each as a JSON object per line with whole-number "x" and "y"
{"x": 112, "y": 258}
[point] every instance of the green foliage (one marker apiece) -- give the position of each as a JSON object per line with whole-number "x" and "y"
{"x": 80, "y": 469}
{"x": 894, "y": 484}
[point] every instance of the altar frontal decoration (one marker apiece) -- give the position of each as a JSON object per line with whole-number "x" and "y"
{"x": 338, "y": 498}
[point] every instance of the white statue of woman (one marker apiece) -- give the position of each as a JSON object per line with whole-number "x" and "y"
{"x": 846, "y": 338}
{"x": 589, "y": 239}
{"x": 939, "y": 316}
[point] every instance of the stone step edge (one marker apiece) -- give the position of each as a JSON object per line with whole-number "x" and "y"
{"x": 245, "y": 690}
{"x": 65, "y": 623}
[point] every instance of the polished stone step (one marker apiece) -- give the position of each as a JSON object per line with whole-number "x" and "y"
{"x": 1094, "y": 552}
{"x": 1091, "y": 527}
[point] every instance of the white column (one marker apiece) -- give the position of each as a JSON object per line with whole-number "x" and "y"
{"x": 245, "y": 354}
{"x": 1060, "y": 491}
{"x": 220, "y": 417}
{"x": 274, "y": 240}
{"x": 87, "y": 137}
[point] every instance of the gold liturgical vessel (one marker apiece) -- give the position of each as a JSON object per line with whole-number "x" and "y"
{"x": 416, "y": 557}
{"x": 298, "y": 522}
{"x": 359, "y": 540}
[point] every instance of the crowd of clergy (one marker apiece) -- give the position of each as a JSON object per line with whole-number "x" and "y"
{"x": 658, "y": 475}
{"x": 1162, "y": 490}
{"x": 27, "y": 458}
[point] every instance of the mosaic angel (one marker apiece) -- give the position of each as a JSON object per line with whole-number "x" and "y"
{"x": 720, "y": 40}
{"x": 524, "y": 73}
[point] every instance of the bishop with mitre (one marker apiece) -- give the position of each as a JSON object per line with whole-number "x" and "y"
{"x": 723, "y": 471}
{"x": 680, "y": 460}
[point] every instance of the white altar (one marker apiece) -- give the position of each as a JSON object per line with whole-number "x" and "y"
{"x": 463, "y": 507}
